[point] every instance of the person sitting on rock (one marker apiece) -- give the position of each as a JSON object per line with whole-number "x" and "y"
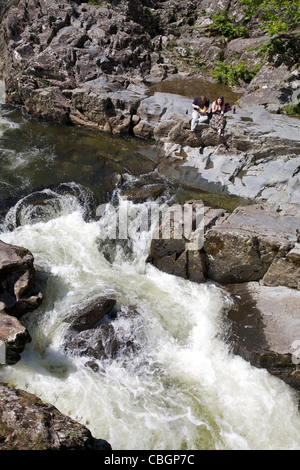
{"x": 218, "y": 120}
{"x": 200, "y": 112}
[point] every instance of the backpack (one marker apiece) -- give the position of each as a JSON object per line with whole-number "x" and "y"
{"x": 227, "y": 107}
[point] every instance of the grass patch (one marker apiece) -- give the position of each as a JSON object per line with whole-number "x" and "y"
{"x": 292, "y": 110}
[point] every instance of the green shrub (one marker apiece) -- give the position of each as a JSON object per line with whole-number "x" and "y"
{"x": 225, "y": 26}
{"x": 284, "y": 49}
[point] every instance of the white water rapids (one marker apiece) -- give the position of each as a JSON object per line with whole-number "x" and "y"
{"x": 181, "y": 389}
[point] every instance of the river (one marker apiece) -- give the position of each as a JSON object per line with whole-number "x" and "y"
{"x": 180, "y": 388}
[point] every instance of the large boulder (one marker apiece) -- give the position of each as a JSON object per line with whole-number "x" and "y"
{"x": 264, "y": 328}
{"x": 17, "y": 290}
{"x": 29, "y": 424}
{"x": 13, "y": 338}
{"x": 255, "y": 243}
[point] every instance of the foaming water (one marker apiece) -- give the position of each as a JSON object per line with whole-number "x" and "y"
{"x": 180, "y": 387}
{"x": 47, "y": 204}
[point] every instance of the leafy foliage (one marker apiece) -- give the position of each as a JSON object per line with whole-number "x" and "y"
{"x": 276, "y": 15}
{"x": 225, "y": 26}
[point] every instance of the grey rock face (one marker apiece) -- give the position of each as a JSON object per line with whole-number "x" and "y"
{"x": 258, "y": 158}
{"x": 14, "y": 337}
{"x": 17, "y": 290}
{"x": 255, "y": 243}
{"x": 264, "y": 328}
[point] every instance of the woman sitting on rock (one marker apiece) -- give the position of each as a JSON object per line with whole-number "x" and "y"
{"x": 200, "y": 110}
{"x": 218, "y": 120}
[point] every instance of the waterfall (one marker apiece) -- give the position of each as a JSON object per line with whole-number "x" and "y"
{"x": 180, "y": 387}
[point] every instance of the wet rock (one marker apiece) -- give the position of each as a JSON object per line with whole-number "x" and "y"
{"x": 196, "y": 266}
{"x": 14, "y": 336}
{"x": 105, "y": 339}
{"x": 29, "y": 424}
{"x": 98, "y": 343}
{"x": 18, "y": 295}
{"x": 145, "y": 193}
{"x": 90, "y": 315}
{"x": 17, "y": 290}
{"x": 264, "y": 328}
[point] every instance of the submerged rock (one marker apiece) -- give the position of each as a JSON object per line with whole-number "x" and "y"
{"x": 90, "y": 315}
{"x": 29, "y": 424}
{"x": 101, "y": 331}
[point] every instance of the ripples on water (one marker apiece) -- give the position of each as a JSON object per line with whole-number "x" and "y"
{"x": 181, "y": 388}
